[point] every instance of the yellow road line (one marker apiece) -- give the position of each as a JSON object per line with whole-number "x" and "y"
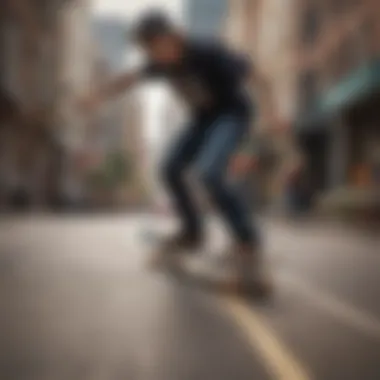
{"x": 278, "y": 359}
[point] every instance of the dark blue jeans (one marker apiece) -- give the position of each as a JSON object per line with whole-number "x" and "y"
{"x": 208, "y": 145}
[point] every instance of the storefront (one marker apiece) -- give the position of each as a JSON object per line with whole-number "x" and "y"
{"x": 355, "y": 104}
{"x": 340, "y": 138}
{"x": 313, "y": 132}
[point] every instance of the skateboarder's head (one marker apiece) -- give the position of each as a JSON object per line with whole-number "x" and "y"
{"x": 159, "y": 37}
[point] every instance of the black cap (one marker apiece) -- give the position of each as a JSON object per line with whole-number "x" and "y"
{"x": 151, "y": 25}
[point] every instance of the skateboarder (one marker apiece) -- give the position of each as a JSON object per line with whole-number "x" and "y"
{"x": 213, "y": 81}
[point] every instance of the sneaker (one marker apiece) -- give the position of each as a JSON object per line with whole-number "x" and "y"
{"x": 181, "y": 242}
{"x": 242, "y": 269}
{"x": 171, "y": 249}
{"x": 251, "y": 271}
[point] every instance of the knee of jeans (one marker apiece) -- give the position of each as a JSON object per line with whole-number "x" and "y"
{"x": 211, "y": 178}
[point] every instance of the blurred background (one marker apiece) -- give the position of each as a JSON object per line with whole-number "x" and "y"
{"x": 322, "y": 61}
{"x": 81, "y": 200}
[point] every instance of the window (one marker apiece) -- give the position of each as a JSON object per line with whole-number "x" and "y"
{"x": 308, "y": 89}
{"x": 311, "y": 24}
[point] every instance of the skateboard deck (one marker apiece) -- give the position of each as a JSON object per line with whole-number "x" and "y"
{"x": 218, "y": 284}
{"x": 211, "y": 280}
{"x": 178, "y": 267}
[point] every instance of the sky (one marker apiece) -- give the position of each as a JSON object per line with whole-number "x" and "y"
{"x": 133, "y": 7}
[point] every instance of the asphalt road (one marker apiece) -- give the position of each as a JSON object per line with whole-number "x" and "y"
{"x": 77, "y": 302}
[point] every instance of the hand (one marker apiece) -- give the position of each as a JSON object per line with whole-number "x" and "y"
{"x": 241, "y": 164}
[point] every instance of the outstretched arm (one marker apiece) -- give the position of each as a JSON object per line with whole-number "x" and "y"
{"x": 109, "y": 91}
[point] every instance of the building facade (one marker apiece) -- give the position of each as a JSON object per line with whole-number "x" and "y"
{"x": 49, "y": 54}
{"x": 76, "y": 77}
{"x": 266, "y": 31}
{"x": 339, "y": 69}
{"x": 322, "y": 59}
{"x": 122, "y": 121}
{"x": 30, "y": 46}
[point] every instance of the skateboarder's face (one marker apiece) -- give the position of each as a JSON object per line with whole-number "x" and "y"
{"x": 164, "y": 49}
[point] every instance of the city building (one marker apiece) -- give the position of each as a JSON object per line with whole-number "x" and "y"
{"x": 322, "y": 60}
{"x": 30, "y": 46}
{"x": 110, "y": 35}
{"x": 338, "y": 66}
{"x": 50, "y": 55}
{"x": 75, "y": 76}
{"x": 123, "y": 123}
{"x": 266, "y": 31}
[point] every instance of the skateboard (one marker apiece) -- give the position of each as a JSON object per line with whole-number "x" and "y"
{"x": 180, "y": 267}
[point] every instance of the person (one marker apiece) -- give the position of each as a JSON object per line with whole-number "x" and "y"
{"x": 213, "y": 80}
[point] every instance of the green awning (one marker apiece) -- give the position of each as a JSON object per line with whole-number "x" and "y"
{"x": 356, "y": 86}
{"x": 353, "y": 88}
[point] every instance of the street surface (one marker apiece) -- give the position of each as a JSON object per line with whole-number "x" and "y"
{"x": 77, "y": 303}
